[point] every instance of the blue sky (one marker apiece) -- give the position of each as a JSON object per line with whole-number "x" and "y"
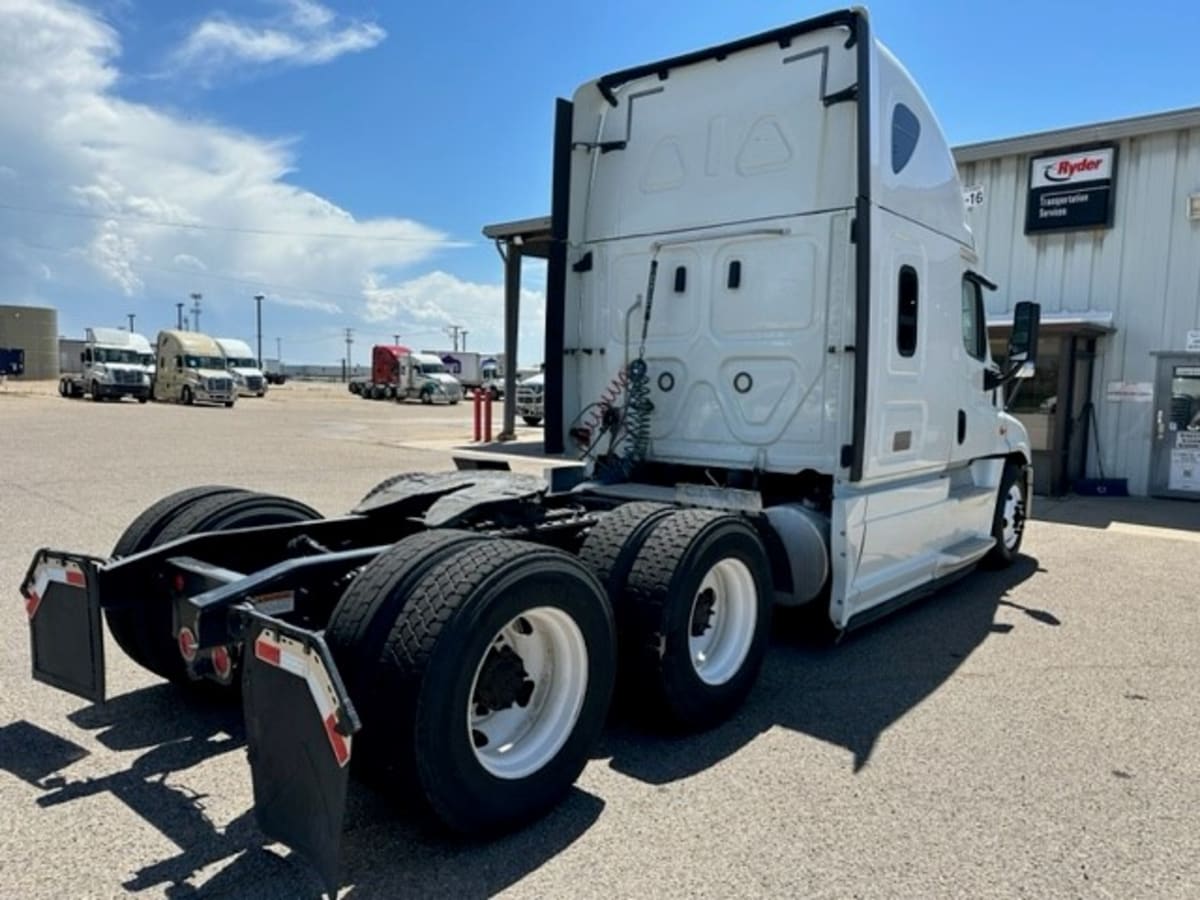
{"x": 402, "y": 128}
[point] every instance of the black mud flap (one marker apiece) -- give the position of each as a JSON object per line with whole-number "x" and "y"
{"x": 62, "y": 601}
{"x": 299, "y": 722}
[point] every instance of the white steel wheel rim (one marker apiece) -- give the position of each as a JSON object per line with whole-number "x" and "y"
{"x": 520, "y": 740}
{"x": 1012, "y": 513}
{"x": 719, "y": 651}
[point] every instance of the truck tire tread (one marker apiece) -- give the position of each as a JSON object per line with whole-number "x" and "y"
{"x": 362, "y": 619}
{"x": 143, "y": 632}
{"x": 140, "y": 533}
{"x": 418, "y": 641}
{"x": 670, "y": 691}
{"x": 612, "y": 545}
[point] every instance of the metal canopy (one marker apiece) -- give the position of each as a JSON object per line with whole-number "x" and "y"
{"x": 1089, "y": 322}
{"x": 531, "y": 235}
{"x": 515, "y": 241}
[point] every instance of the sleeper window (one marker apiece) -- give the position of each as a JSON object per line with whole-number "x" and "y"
{"x": 906, "y": 131}
{"x": 906, "y": 314}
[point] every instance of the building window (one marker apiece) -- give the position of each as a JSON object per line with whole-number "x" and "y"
{"x": 906, "y": 314}
{"x": 973, "y": 331}
{"x": 906, "y": 131}
{"x": 1038, "y": 394}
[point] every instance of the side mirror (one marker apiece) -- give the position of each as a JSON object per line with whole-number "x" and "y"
{"x": 1022, "y": 345}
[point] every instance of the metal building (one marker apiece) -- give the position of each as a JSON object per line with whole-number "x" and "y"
{"x": 1100, "y": 225}
{"x": 33, "y": 329}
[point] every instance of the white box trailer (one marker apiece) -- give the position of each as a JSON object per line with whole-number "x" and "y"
{"x": 774, "y": 373}
{"x": 463, "y": 365}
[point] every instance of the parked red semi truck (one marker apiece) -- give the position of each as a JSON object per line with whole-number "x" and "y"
{"x": 765, "y": 340}
{"x": 397, "y": 373}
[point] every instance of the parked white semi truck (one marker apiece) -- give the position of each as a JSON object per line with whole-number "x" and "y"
{"x": 113, "y": 364}
{"x": 242, "y": 364}
{"x": 765, "y": 340}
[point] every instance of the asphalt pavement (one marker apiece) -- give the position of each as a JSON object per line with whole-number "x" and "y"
{"x": 1024, "y": 733}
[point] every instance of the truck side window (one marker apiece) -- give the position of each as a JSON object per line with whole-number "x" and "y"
{"x": 974, "y": 335}
{"x": 906, "y": 315}
{"x": 179, "y": 362}
{"x": 906, "y": 131}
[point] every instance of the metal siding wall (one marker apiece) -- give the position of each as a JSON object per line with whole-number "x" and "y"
{"x": 33, "y": 329}
{"x": 1145, "y": 270}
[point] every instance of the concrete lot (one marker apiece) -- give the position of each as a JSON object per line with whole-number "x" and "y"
{"x": 1025, "y": 733}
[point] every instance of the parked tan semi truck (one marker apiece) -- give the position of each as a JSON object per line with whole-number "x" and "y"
{"x": 765, "y": 343}
{"x": 190, "y": 368}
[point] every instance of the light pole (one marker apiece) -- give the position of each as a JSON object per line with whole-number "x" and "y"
{"x": 258, "y": 299}
{"x": 464, "y": 337}
{"x": 279, "y": 353}
{"x": 131, "y": 317}
{"x": 179, "y": 316}
{"x": 395, "y": 340}
{"x": 196, "y": 309}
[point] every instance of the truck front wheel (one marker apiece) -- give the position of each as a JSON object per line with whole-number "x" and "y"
{"x": 699, "y": 609}
{"x": 532, "y": 421}
{"x": 95, "y": 390}
{"x": 1008, "y": 522}
{"x": 499, "y": 672}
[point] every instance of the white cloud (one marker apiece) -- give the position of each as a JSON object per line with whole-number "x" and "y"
{"x": 89, "y": 179}
{"x": 303, "y": 33}
{"x": 187, "y": 261}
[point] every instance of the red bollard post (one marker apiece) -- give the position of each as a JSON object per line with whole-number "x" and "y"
{"x": 487, "y": 416}
{"x": 478, "y": 413}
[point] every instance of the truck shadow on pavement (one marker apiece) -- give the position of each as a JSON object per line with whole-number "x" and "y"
{"x": 177, "y": 732}
{"x": 385, "y": 852}
{"x": 845, "y": 694}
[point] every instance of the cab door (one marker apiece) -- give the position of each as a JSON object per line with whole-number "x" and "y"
{"x": 975, "y": 426}
{"x": 164, "y": 371}
{"x": 910, "y": 403}
{"x": 1175, "y": 453}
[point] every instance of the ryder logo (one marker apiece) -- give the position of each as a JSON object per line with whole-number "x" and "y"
{"x": 1066, "y": 169}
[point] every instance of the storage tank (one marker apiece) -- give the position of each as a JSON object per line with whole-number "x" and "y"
{"x": 33, "y": 329}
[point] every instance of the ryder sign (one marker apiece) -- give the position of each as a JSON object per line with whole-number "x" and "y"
{"x": 1071, "y": 190}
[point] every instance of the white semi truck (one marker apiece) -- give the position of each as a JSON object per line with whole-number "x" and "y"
{"x": 113, "y": 364}
{"x": 765, "y": 342}
{"x": 242, "y": 364}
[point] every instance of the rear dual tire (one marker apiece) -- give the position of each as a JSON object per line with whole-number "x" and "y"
{"x": 492, "y": 683}
{"x": 696, "y": 616}
{"x": 144, "y": 631}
